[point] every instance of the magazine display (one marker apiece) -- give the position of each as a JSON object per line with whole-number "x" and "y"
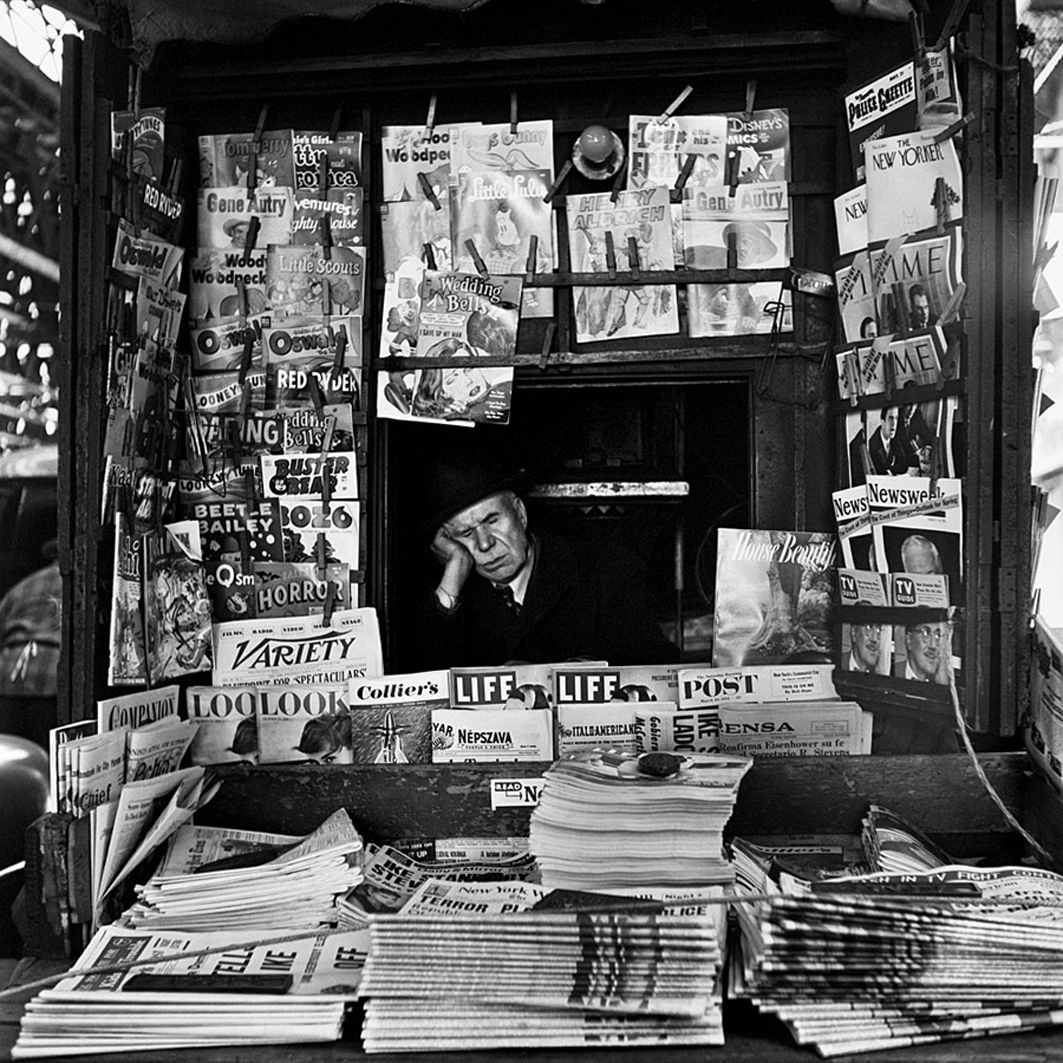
{"x": 143, "y": 133}
{"x": 391, "y": 716}
{"x": 850, "y": 218}
{"x": 904, "y": 174}
{"x": 519, "y": 686}
{"x": 302, "y": 280}
{"x": 856, "y": 298}
{"x": 157, "y": 748}
{"x": 298, "y": 723}
{"x": 339, "y": 157}
{"x": 595, "y": 725}
{"x": 225, "y": 160}
{"x": 754, "y": 683}
{"x": 738, "y": 309}
{"x": 298, "y": 588}
{"x": 663, "y": 727}
{"x": 622, "y": 312}
{"x": 795, "y": 729}
{"x": 143, "y": 255}
{"x": 491, "y": 735}
{"x": 494, "y": 147}
{"x": 416, "y": 159}
{"x": 759, "y": 142}
{"x": 773, "y": 594}
{"x": 342, "y": 209}
{"x": 852, "y": 514}
{"x": 913, "y": 360}
{"x": 298, "y": 649}
{"x": 214, "y": 278}
{"x": 406, "y": 227}
{"x": 756, "y": 220}
{"x": 224, "y": 217}
{"x": 915, "y": 279}
{"x": 228, "y": 723}
{"x": 126, "y": 662}
{"x": 880, "y": 107}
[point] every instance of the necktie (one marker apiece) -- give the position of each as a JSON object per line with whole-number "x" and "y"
{"x": 506, "y": 593}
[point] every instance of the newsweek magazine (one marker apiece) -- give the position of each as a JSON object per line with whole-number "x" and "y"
{"x": 499, "y": 211}
{"x": 126, "y": 661}
{"x": 342, "y": 157}
{"x": 145, "y": 132}
{"x": 405, "y": 228}
{"x": 213, "y": 290}
{"x": 147, "y": 256}
{"x": 850, "y": 219}
{"x": 852, "y": 515}
{"x": 414, "y": 156}
{"x": 795, "y": 729}
{"x": 773, "y": 595}
{"x": 761, "y": 142}
{"x": 298, "y": 649}
{"x": 228, "y": 723}
{"x": 391, "y": 716}
{"x": 224, "y": 217}
{"x": 302, "y": 280}
{"x": 299, "y": 723}
{"x": 298, "y": 588}
{"x": 915, "y": 279}
{"x": 881, "y": 107}
{"x": 856, "y": 298}
{"x": 491, "y": 735}
{"x": 917, "y": 524}
{"x": 757, "y": 216}
{"x": 739, "y": 309}
{"x": 344, "y": 208}
{"x": 622, "y": 312}
{"x": 902, "y": 180}
{"x": 176, "y": 603}
{"x": 225, "y": 159}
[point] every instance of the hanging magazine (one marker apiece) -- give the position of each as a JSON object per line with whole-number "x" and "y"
{"x": 405, "y": 228}
{"x": 415, "y": 159}
{"x": 225, "y": 159}
{"x": 125, "y": 662}
{"x": 882, "y": 107}
{"x": 224, "y": 217}
{"x": 622, "y": 311}
{"x": 342, "y": 156}
{"x": 755, "y": 220}
{"x": 213, "y": 289}
{"x": 773, "y": 596}
{"x": 759, "y": 141}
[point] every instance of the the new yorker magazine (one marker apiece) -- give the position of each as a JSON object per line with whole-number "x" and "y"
{"x": 773, "y": 597}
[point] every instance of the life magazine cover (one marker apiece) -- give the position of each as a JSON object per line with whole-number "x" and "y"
{"x": 298, "y": 649}
{"x": 773, "y": 595}
{"x": 224, "y": 217}
{"x": 517, "y": 686}
{"x": 622, "y": 311}
{"x": 299, "y": 723}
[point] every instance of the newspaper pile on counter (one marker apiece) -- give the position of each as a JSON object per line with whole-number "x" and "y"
{"x": 241, "y": 994}
{"x": 608, "y": 820}
{"x": 213, "y": 878}
{"x": 458, "y": 981}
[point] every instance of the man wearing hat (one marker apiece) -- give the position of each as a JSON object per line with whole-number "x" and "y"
{"x": 507, "y": 593}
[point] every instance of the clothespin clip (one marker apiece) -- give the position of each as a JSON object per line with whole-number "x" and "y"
{"x": 316, "y": 397}
{"x": 325, "y": 226}
{"x": 513, "y": 114}
{"x": 751, "y": 97}
{"x": 558, "y": 181}
{"x": 901, "y": 311}
{"x": 732, "y": 255}
{"x": 330, "y": 603}
{"x": 533, "y": 259}
{"x": 610, "y": 254}
{"x": 339, "y": 360}
{"x": 251, "y": 238}
{"x": 633, "y": 257}
{"x": 255, "y": 150}
{"x": 676, "y": 195}
{"x": 548, "y": 343}
{"x": 952, "y": 21}
{"x": 951, "y": 310}
{"x": 429, "y": 256}
{"x": 325, "y": 222}
{"x": 245, "y": 356}
{"x": 251, "y": 489}
{"x": 173, "y": 181}
{"x": 674, "y": 105}
{"x": 889, "y": 373}
{"x": 731, "y": 171}
{"x": 950, "y": 131}
{"x": 915, "y": 21}
{"x": 941, "y": 204}
{"x": 618, "y": 184}
{"x": 327, "y": 434}
{"x": 337, "y": 121}
{"x": 326, "y": 481}
{"x": 950, "y": 363}
{"x": 852, "y": 376}
{"x": 321, "y": 552}
{"x": 428, "y": 190}
{"x": 245, "y": 401}
{"x": 430, "y": 119}
{"x": 236, "y": 447}
{"x": 136, "y": 75}
{"x": 477, "y": 261}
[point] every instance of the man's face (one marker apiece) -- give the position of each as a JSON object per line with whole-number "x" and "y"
{"x": 919, "y": 558}
{"x": 924, "y": 644}
{"x": 867, "y": 641}
{"x": 920, "y": 310}
{"x": 494, "y": 531}
{"x": 889, "y": 423}
{"x": 239, "y": 232}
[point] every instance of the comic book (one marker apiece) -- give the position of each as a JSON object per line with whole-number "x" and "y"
{"x": 400, "y": 319}
{"x": 658, "y": 151}
{"x": 224, "y": 392}
{"x": 738, "y": 309}
{"x": 622, "y": 312}
{"x": 298, "y": 388}
{"x": 300, "y": 723}
{"x": 158, "y": 314}
{"x": 224, "y": 217}
{"x": 464, "y": 314}
{"x": 884, "y": 106}
{"x": 176, "y": 603}
{"x": 145, "y": 131}
{"x": 773, "y": 596}
{"x": 310, "y": 475}
{"x": 759, "y": 142}
{"x": 309, "y": 281}
{"x": 298, "y": 649}
{"x": 288, "y": 588}
{"x": 220, "y": 344}
{"x": 212, "y": 284}
{"x": 757, "y": 216}
{"x": 498, "y": 212}
{"x": 903, "y": 175}
{"x": 915, "y": 279}
{"x": 225, "y": 160}
{"x": 344, "y": 208}
{"x": 414, "y": 158}
{"x": 310, "y": 431}
{"x": 479, "y": 146}
{"x": 125, "y": 662}
{"x": 405, "y": 228}
{"x": 342, "y": 155}
{"x": 228, "y": 724}
{"x": 391, "y": 716}
{"x": 313, "y": 343}
{"x": 144, "y": 255}
{"x": 460, "y": 396}
{"x": 321, "y": 534}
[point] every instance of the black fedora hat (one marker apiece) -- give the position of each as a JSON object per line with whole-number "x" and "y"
{"x": 457, "y": 480}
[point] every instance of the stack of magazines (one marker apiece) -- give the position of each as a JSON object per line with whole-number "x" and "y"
{"x": 542, "y": 979}
{"x": 607, "y": 820}
{"x": 213, "y": 878}
{"x": 241, "y": 994}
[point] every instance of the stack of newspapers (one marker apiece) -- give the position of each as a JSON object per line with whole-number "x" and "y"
{"x": 137, "y": 991}
{"x": 614, "y": 820}
{"x": 212, "y": 878}
{"x": 542, "y": 979}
